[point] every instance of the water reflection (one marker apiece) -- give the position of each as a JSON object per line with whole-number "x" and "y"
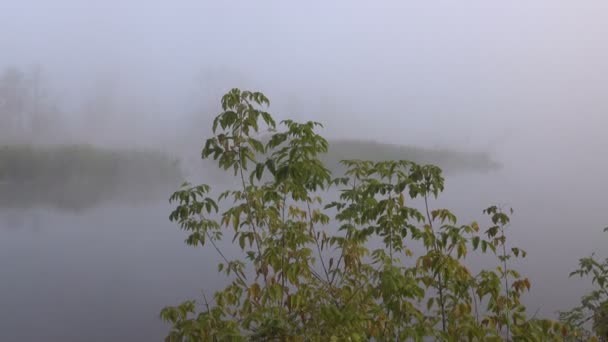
{"x": 98, "y": 276}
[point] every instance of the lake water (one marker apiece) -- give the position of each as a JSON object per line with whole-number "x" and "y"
{"x": 104, "y": 274}
{"x": 99, "y": 276}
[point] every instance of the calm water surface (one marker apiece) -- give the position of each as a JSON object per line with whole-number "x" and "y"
{"x": 104, "y": 274}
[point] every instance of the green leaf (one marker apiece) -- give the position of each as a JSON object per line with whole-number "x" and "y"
{"x": 475, "y": 242}
{"x": 484, "y": 245}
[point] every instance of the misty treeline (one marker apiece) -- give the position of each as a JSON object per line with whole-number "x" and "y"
{"x": 34, "y": 110}
{"x": 27, "y": 110}
{"x": 104, "y": 107}
{"x": 50, "y": 157}
{"x": 377, "y": 262}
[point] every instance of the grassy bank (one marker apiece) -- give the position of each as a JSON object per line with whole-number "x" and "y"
{"x": 449, "y": 160}
{"x": 79, "y": 176}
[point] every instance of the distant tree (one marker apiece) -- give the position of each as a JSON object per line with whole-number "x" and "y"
{"x": 309, "y": 270}
{"x": 13, "y": 99}
{"x": 26, "y": 108}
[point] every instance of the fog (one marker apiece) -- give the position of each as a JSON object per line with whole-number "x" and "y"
{"x": 522, "y": 80}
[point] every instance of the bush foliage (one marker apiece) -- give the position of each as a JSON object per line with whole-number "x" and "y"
{"x": 378, "y": 263}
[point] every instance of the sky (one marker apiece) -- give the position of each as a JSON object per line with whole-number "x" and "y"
{"x": 471, "y": 73}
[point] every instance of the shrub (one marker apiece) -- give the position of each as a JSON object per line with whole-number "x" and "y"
{"x": 309, "y": 270}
